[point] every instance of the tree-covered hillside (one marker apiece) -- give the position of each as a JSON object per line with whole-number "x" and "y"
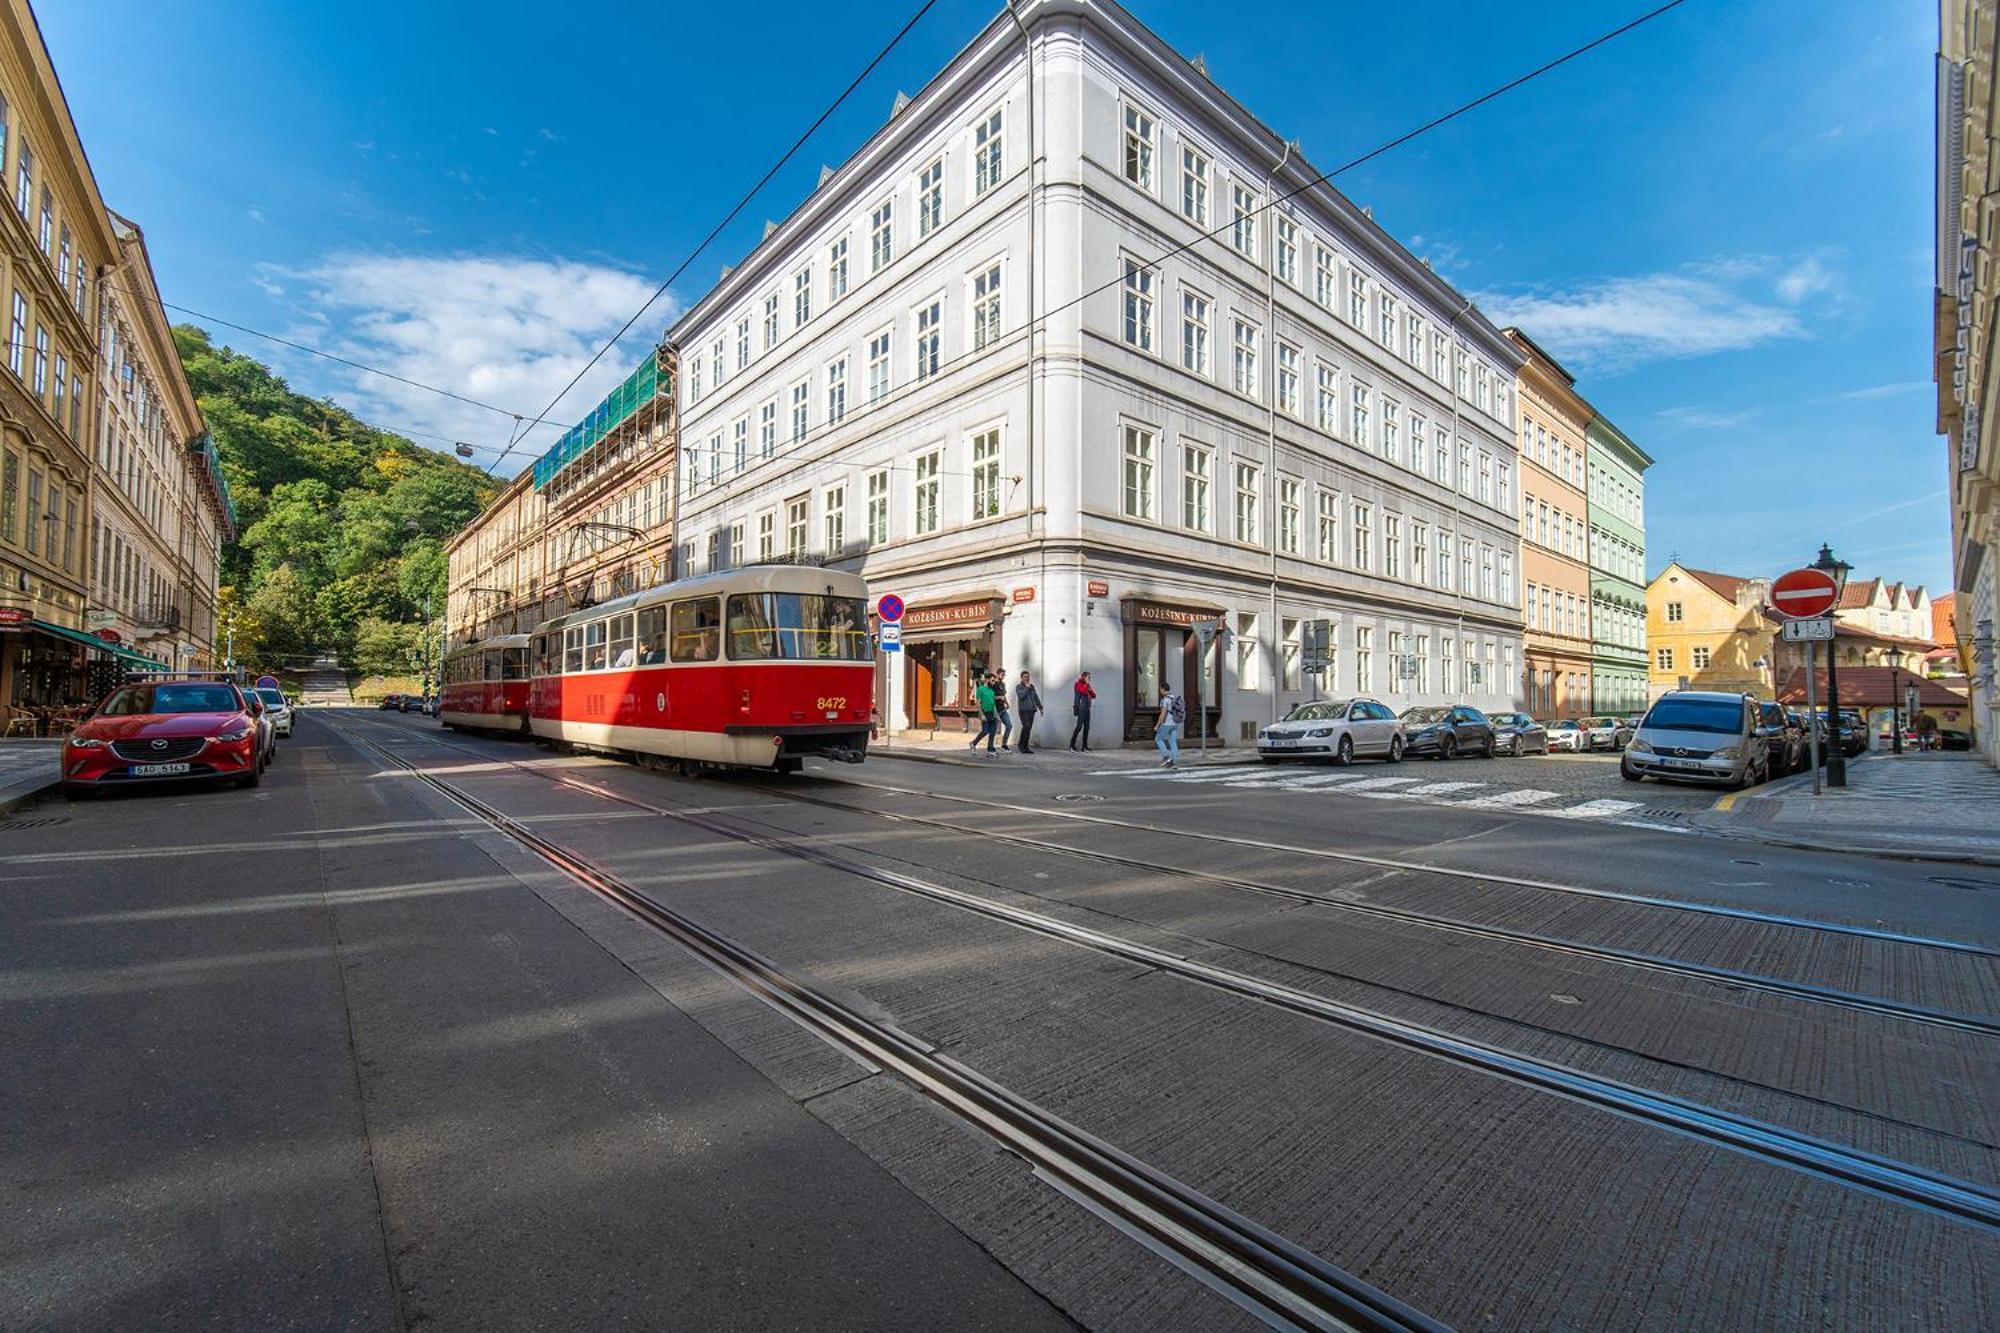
{"x": 342, "y": 525}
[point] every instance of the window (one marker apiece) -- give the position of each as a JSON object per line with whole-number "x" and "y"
{"x": 1665, "y": 658}
{"x": 1364, "y": 537}
{"x": 740, "y": 442}
{"x": 1413, "y": 327}
{"x": 833, "y": 519}
{"x": 1139, "y": 148}
{"x": 1465, "y": 469}
{"x": 1444, "y": 561}
{"x": 34, "y": 512}
{"x": 1243, "y": 364}
{"x": 1503, "y": 485}
{"x": 17, "y": 335}
{"x": 802, "y": 297}
{"x": 986, "y": 308}
{"x": 1392, "y": 431}
{"x": 1392, "y": 546}
{"x": 926, "y": 492}
{"x": 767, "y": 429}
{"x": 62, "y": 377}
{"x": 930, "y": 198}
{"x": 1195, "y": 473}
{"x": 798, "y": 511}
{"x": 770, "y": 321}
{"x": 1465, "y": 553}
{"x": 63, "y": 253}
{"x": 1138, "y": 305}
{"x": 836, "y": 271}
{"x": 45, "y": 235}
{"x": 1138, "y": 473}
{"x": 1534, "y": 608}
{"x": 743, "y": 343}
{"x": 987, "y": 160}
{"x": 695, "y": 633}
{"x": 1326, "y": 399}
{"x": 1194, "y": 185}
{"x": 1673, "y": 613}
{"x": 766, "y": 542}
{"x": 41, "y": 378}
{"x": 1486, "y": 587}
{"x": 1288, "y": 380}
{"x": 881, "y": 236}
{"x": 986, "y": 474}
{"x": 1288, "y": 644}
{"x": 878, "y": 367}
{"x": 1288, "y": 516}
{"x": 1325, "y": 282}
{"x": 1326, "y": 538}
{"x": 1288, "y": 251}
{"x": 801, "y": 409}
{"x": 1486, "y": 477}
{"x": 836, "y": 392}
{"x": 1420, "y": 545}
{"x": 1386, "y": 334}
{"x": 1358, "y": 422}
{"x": 1243, "y": 221}
{"x": 1194, "y": 332}
{"x": 1507, "y": 577}
{"x": 24, "y": 179}
{"x": 719, "y": 361}
{"x": 1357, "y": 299}
{"x": 1364, "y": 659}
{"x": 929, "y": 317}
{"x": 1700, "y": 656}
{"x": 1247, "y": 485}
{"x": 878, "y": 507}
{"x": 1441, "y": 465}
{"x": 1417, "y": 436}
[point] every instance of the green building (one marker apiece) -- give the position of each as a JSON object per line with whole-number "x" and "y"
{"x": 1616, "y": 495}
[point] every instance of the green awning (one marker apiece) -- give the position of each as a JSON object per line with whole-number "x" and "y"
{"x": 125, "y": 655}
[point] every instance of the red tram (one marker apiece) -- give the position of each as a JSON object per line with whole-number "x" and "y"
{"x": 486, "y": 685}
{"x": 755, "y": 667}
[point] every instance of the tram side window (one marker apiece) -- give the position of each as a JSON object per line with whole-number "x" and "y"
{"x": 697, "y": 630}
{"x": 593, "y": 646}
{"x": 573, "y": 649}
{"x": 798, "y": 626}
{"x": 490, "y": 662}
{"x": 513, "y": 664}
{"x": 653, "y": 636}
{"x": 540, "y": 655}
{"x": 621, "y": 641}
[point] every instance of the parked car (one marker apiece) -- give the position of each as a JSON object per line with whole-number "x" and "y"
{"x": 1604, "y": 733}
{"x": 1337, "y": 729}
{"x": 1950, "y": 739}
{"x": 1784, "y": 740}
{"x": 392, "y": 703}
{"x": 1447, "y": 731}
{"x": 1699, "y": 736}
{"x": 1853, "y": 733}
{"x": 165, "y": 731}
{"x": 1518, "y": 734}
{"x": 1566, "y": 735}
{"x": 267, "y": 733}
{"x": 277, "y": 708}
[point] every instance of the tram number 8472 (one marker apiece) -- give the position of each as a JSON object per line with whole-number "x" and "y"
{"x": 833, "y": 701}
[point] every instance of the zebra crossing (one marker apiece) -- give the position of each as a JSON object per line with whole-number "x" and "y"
{"x": 1463, "y": 795}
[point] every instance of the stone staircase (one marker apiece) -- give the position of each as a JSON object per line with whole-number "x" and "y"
{"x": 325, "y": 687}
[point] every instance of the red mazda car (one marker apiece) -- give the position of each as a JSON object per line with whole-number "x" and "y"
{"x": 164, "y": 731}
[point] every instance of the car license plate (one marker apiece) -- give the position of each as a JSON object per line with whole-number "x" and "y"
{"x": 158, "y": 770}
{"x": 1280, "y": 742}
{"x": 1683, "y": 763}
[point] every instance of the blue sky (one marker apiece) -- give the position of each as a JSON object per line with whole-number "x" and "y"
{"x": 1721, "y": 222}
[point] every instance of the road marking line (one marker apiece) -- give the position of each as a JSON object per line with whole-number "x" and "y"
{"x": 1374, "y": 784}
{"x": 1598, "y": 809}
{"x": 1649, "y": 824}
{"x": 1318, "y": 781}
{"x": 1429, "y": 789}
{"x": 1505, "y": 799}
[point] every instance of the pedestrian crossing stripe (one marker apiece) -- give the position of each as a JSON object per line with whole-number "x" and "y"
{"x": 1430, "y": 789}
{"x": 1602, "y": 809}
{"x": 1242, "y": 777}
{"x": 1504, "y": 800}
{"x": 1373, "y": 786}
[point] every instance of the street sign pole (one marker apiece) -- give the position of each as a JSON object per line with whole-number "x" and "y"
{"x": 1812, "y": 713}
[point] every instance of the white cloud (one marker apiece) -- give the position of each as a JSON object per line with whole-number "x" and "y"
{"x": 1702, "y": 418}
{"x": 1718, "y": 305}
{"x": 1875, "y": 391}
{"x": 504, "y": 330}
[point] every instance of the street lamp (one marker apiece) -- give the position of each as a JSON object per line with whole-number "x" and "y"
{"x": 1895, "y": 656}
{"x": 1836, "y": 757}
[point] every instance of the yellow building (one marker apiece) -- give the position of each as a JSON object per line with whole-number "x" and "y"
{"x": 1709, "y": 631}
{"x": 1558, "y": 665}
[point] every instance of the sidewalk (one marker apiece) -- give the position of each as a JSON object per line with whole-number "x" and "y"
{"x": 1105, "y": 752}
{"x": 27, "y": 768}
{"x": 1927, "y": 806}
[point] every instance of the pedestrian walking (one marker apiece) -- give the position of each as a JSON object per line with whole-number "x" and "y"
{"x": 1029, "y": 701}
{"x": 1005, "y": 714}
{"x": 1167, "y": 732}
{"x": 1080, "y": 696}
{"x": 988, "y": 719}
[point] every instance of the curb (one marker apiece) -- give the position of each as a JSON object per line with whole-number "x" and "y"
{"x": 14, "y": 797}
{"x": 953, "y": 761}
{"x": 1884, "y": 853}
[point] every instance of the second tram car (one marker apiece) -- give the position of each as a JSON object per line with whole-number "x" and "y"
{"x": 757, "y": 667}
{"x": 486, "y": 685}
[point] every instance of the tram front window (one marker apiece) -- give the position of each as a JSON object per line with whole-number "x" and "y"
{"x": 798, "y": 626}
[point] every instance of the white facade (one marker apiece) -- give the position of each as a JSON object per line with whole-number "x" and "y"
{"x": 978, "y": 366}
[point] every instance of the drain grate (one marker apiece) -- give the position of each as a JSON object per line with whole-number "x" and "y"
{"x": 48, "y": 821}
{"x": 1072, "y": 797}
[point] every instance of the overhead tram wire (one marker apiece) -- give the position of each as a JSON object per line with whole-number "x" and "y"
{"x": 1325, "y": 177}
{"x": 728, "y": 218}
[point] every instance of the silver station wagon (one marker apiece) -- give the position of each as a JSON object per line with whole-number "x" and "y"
{"x": 1338, "y": 729}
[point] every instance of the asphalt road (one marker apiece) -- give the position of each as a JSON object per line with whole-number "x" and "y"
{"x": 331, "y": 1052}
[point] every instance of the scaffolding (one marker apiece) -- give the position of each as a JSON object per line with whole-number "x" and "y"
{"x": 641, "y": 389}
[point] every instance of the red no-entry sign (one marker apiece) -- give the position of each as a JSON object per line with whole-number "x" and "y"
{"x": 1803, "y": 593}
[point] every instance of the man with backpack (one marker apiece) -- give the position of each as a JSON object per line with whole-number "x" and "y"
{"x": 1167, "y": 734}
{"x": 1080, "y": 696}
{"x": 1029, "y": 700}
{"x": 989, "y": 720}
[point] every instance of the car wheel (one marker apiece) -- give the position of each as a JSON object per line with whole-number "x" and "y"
{"x": 1395, "y": 749}
{"x": 1345, "y": 755}
{"x": 1626, "y": 773}
{"x": 1447, "y": 746}
{"x": 1489, "y": 746}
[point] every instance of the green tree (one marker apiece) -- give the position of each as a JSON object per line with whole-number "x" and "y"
{"x": 290, "y": 626}
{"x": 421, "y": 576}
{"x": 384, "y": 648}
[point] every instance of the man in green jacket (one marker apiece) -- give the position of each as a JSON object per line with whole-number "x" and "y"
{"x": 989, "y": 716}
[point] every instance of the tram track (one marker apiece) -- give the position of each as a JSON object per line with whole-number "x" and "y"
{"x": 1885, "y": 1177}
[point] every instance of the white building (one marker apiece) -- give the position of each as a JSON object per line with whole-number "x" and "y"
{"x": 993, "y": 363}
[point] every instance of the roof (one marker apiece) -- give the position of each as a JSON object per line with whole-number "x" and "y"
{"x": 1725, "y": 586}
{"x": 1858, "y": 595}
{"x": 1873, "y": 686}
{"x": 1944, "y": 619}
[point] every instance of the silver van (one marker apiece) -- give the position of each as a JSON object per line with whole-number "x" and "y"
{"x": 1699, "y": 736}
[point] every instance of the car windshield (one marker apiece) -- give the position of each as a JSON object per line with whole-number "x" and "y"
{"x": 1327, "y": 710}
{"x": 136, "y": 700}
{"x": 275, "y": 698}
{"x": 1425, "y": 716}
{"x": 1721, "y": 716}
{"x": 1513, "y": 720}
{"x": 798, "y": 626}
{"x": 1567, "y": 724}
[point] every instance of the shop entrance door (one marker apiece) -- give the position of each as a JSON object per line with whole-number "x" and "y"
{"x": 922, "y": 683}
